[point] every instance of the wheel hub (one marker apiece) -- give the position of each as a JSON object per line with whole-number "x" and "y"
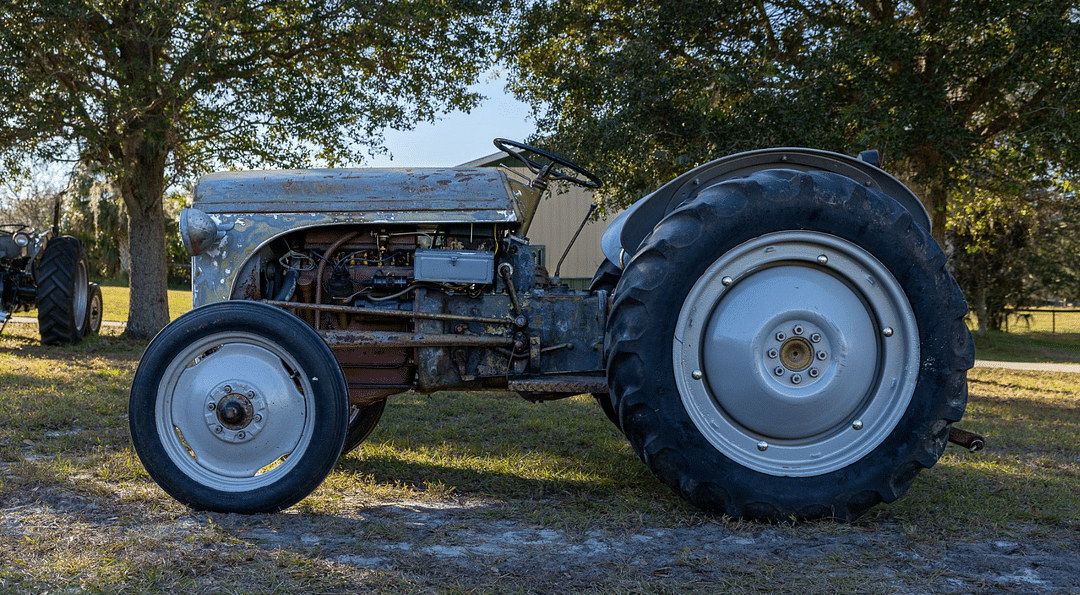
{"x": 797, "y": 353}
{"x": 235, "y": 412}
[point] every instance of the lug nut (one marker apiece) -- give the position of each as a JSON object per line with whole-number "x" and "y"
{"x": 795, "y": 378}
{"x": 773, "y": 354}
{"x": 228, "y": 389}
{"x": 779, "y": 371}
{"x": 780, "y": 336}
{"x": 798, "y": 329}
{"x": 821, "y": 355}
{"x": 257, "y": 418}
{"x": 218, "y": 429}
{"x": 813, "y": 372}
{"x": 241, "y": 435}
{"x": 211, "y": 406}
{"x": 816, "y": 337}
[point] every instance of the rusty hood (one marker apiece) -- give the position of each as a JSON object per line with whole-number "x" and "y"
{"x": 465, "y": 194}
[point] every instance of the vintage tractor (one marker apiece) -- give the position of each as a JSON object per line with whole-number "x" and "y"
{"x": 775, "y": 332}
{"x": 50, "y": 273}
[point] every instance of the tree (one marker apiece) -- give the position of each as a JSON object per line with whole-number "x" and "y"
{"x": 640, "y": 91}
{"x": 148, "y": 93}
{"x": 1016, "y": 244}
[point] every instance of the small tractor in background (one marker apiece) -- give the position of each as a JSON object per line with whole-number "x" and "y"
{"x": 49, "y": 272}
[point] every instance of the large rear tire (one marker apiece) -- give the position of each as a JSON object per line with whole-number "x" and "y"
{"x": 605, "y": 279}
{"x": 62, "y": 291}
{"x": 238, "y": 407}
{"x": 788, "y": 345}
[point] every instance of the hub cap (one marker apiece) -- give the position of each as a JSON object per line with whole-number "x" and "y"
{"x": 796, "y": 353}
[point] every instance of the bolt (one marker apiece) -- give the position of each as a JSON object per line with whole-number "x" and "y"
{"x": 763, "y": 446}
{"x": 798, "y": 329}
{"x": 696, "y": 374}
{"x": 814, "y": 372}
{"x": 727, "y": 281}
{"x": 795, "y": 378}
{"x": 251, "y": 394}
{"x": 241, "y": 435}
{"x": 821, "y": 355}
{"x": 228, "y": 389}
{"x": 856, "y": 425}
{"x": 211, "y": 406}
{"x": 257, "y": 418}
{"x": 887, "y": 331}
{"x": 218, "y": 429}
{"x": 823, "y": 260}
{"x": 780, "y": 336}
{"x": 816, "y": 337}
{"x": 773, "y": 354}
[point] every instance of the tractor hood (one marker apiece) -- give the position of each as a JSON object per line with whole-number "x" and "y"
{"x": 398, "y": 195}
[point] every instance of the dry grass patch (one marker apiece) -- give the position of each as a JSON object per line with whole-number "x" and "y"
{"x": 484, "y": 493}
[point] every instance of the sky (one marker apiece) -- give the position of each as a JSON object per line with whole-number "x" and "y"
{"x": 458, "y": 137}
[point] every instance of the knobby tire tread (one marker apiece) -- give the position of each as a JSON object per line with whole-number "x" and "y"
{"x": 649, "y": 408}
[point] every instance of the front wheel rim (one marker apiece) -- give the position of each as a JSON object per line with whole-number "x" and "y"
{"x": 796, "y": 353}
{"x": 235, "y": 412}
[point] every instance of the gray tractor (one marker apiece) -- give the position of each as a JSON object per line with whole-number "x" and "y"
{"x": 775, "y": 332}
{"x": 50, "y": 273}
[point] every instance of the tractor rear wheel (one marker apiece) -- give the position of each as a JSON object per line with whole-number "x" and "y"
{"x": 62, "y": 291}
{"x": 788, "y": 345}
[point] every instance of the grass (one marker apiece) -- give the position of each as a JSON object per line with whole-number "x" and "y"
{"x": 79, "y": 514}
{"x": 114, "y": 300}
{"x": 1036, "y": 336}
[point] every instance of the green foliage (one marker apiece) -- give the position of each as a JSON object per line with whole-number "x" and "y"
{"x": 149, "y": 94}
{"x": 1016, "y": 239}
{"x": 640, "y": 91}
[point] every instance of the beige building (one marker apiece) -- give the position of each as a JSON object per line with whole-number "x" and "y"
{"x": 558, "y": 218}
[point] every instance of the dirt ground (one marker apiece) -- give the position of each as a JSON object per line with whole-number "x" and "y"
{"x": 426, "y": 547}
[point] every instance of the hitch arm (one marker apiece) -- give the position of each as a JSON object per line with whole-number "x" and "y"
{"x": 969, "y": 440}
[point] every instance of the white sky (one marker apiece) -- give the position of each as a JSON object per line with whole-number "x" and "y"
{"x": 458, "y": 137}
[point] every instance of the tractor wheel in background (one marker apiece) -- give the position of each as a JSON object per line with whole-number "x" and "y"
{"x": 788, "y": 346}
{"x": 238, "y": 407}
{"x": 62, "y": 291}
{"x": 362, "y": 421}
{"x": 94, "y": 309}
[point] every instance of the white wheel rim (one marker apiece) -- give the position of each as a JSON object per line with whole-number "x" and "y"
{"x": 274, "y": 394}
{"x": 741, "y": 362}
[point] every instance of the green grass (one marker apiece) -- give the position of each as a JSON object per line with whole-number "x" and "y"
{"x": 78, "y": 513}
{"x": 115, "y": 303}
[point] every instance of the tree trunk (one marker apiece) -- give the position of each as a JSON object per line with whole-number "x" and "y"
{"x": 142, "y": 185}
{"x": 937, "y": 201}
{"x": 980, "y": 310}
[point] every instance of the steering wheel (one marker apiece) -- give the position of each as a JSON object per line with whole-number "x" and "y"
{"x": 586, "y": 179}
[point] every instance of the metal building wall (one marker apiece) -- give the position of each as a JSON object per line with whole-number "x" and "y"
{"x": 558, "y": 217}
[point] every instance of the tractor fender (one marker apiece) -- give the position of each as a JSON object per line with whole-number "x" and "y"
{"x": 629, "y": 229}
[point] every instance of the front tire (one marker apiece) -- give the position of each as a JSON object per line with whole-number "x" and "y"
{"x": 788, "y": 345}
{"x": 94, "y": 310}
{"x": 238, "y": 407}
